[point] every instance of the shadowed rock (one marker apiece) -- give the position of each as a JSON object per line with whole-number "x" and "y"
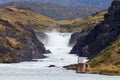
{"x": 102, "y": 35}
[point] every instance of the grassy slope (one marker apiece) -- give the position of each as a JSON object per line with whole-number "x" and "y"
{"x": 26, "y": 17}
{"x": 82, "y": 24}
{"x": 108, "y": 61}
{"x": 12, "y": 34}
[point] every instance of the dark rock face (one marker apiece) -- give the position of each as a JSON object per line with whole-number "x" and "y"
{"x": 102, "y": 35}
{"x": 51, "y": 66}
{"x": 19, "y": 43}
{"x": 75, "y": 37}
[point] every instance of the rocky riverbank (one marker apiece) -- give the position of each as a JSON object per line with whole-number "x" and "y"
{"x": 102, "y": 44}
{"x": 18, "y": 41}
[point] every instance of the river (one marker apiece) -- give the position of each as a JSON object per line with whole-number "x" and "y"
{"x": 58, "y": 45}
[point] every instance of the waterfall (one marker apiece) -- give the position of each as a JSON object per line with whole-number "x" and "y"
{"x": 57, "y": 39}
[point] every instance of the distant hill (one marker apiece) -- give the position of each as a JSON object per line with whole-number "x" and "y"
{"x": 54, "y": 11}
{"x": 27, "y": 18}
{"x": 103, "y": 4}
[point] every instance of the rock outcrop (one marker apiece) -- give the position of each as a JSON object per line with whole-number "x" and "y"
{"x": 102, "y": 35}
{"x": 18, "y": 41}
{"x": 74, "y": 37}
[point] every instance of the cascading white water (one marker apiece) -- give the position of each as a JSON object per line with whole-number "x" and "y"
{"x": 58, "y": 45}
{"x": 58, "y": 39}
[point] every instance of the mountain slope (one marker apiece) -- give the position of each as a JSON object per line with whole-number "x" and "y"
{"x": 18, "y": 41}
{"x": 82, "y": 25}
{"x": 54, "y": 11}
{"x": 102, "y": 35}
{"x": 27, "y": 17}
{"x": 108, "y": 61}
{"x": 103, "y": 4}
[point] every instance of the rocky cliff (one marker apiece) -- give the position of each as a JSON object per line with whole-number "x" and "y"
{"x": 81, "y": 27}
{"x": 18, "y": 41}
{"x": 102, "y": 35}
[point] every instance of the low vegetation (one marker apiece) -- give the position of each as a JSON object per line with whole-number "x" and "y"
{"x": 108, "y": 61}
{"x": 82, "y": 25}
{"x": 26, "y": 17}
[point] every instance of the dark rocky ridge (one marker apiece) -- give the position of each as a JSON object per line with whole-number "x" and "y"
{"x": 102, "y": 35}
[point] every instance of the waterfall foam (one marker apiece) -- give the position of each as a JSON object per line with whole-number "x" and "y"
{"x": 56, "y": 39}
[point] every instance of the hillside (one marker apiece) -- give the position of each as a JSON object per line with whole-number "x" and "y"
{"x": 27, "y": 17}
{"x": 55, "y": 11}
{"x": 102, "y": 44}
{"x": 108, "y": 61}
{"x": 81, "y": 25}
{"x": 18, "y": 41}
{"x": 103, "y": 4}
{"x": 101, "y": 36}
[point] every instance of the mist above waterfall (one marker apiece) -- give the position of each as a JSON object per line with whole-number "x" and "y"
{"x": 57, "y": 39}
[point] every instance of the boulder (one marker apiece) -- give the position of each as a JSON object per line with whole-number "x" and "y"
{"x": 51, "y": 66}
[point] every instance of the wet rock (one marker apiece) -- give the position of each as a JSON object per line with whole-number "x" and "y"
{"x": 51, "y": 66}
{"x": 48, "y": 51}
{"x": 75, "y": 36}
{"x": 42, "y": 37}
{"x": 70, "y": 67}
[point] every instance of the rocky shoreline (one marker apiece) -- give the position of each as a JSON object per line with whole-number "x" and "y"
{"x": 93, "y": 71}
